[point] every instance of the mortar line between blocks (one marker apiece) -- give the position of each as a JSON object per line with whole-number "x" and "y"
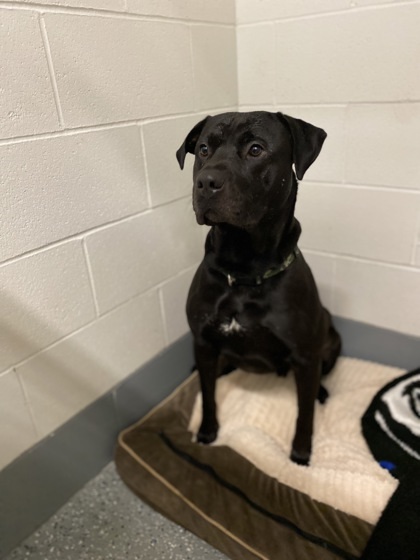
{"x": 146, "y": 168}
{"x": 89, "y": 231}
{"x": 194, "y": 80}
{"x": 91, "y": 279}
{"x": 416, "y": 242}
{"x": 334, "y": 287}
{"x": 27, "y": 402}
{"x": 51, "y": 71}
{"x": 366, "y": 187}
{"x": 86, "y": 326}
{"x": 274, "y": 78}
{"x": 331, "y": 13}
{"x": 85, "y": 129}
{"x": 408, "y": 267}
{"x": 338, "y": 104}
{"x": 156, "y": 288}
{"x": 107, "y": 14}
{"x": 163, "y": 316}
{"x": 37, "y": 250}
{"x": 346, "y": 146}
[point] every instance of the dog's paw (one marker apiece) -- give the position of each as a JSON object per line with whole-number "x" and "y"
{"x": 206, "y": 438}
{"x": 302, "y": 459}
{"x": 322, "y": 394}
{"x": 207, "y": 433}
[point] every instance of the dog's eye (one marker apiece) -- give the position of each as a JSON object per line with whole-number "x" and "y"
{"x": 255, "y": 150}
{"x": 203, "y": 150}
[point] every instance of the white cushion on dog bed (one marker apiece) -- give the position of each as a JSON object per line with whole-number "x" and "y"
{"x": 257, "y": 415}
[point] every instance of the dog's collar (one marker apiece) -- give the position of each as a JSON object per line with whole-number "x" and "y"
{"x": 259, "y": 279}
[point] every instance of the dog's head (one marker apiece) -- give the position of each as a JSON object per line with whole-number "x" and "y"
{"x": 243, "y": 164}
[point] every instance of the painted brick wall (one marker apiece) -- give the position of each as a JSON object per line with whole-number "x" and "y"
{"x": 352, "y": 68}
{"x": 98, "y": 240}
{"x": 97, "y": 237}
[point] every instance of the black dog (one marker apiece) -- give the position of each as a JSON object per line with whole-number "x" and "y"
{"x": 253, "y": 303}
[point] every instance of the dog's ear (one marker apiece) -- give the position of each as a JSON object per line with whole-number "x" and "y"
{"x": 190, "y": 141}
{"x": 307, "y": 142}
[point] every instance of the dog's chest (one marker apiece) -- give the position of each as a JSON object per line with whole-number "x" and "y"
{"x": 231, "y": 327}
{"x": 237, "y": 315}
{"x": 239, "y": 334}
{"x": 240, "y": 328}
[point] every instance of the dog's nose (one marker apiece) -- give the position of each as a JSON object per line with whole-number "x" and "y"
{"x": 210, "y": 181}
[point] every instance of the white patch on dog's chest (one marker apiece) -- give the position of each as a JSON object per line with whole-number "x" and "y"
{"x": 232, "y": 327}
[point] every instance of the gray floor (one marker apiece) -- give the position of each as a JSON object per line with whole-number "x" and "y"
{"x": 106, "y": 521}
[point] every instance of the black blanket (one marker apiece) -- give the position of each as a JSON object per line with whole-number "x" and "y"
{"x": 391, "y": 426}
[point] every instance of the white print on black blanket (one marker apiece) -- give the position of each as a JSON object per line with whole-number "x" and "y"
{"x": 399, "y": 417}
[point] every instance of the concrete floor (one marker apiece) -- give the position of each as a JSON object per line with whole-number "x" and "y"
{"x": 105, "y": 520}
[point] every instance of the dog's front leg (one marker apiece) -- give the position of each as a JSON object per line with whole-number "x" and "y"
{"x": 308, "y": 376}
{"x": 207, "y": 364}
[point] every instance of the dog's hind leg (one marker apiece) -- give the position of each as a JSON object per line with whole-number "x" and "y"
{"x": 208, "y": 369}
{"x": 332, "y": 347}
{"x": 322, "y": 394}
{"x": 224, "y": 366}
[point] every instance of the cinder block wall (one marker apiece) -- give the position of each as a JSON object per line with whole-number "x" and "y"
{"x": 97, "y": 237}
{"x": 351, "y": 67}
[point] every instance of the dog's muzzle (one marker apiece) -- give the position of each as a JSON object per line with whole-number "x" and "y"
{"x": 209, "y": 182}
{"x": 209, "y": 196}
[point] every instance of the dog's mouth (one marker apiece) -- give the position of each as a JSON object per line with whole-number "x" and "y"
{"x": 205, "y": 215}
{"x": 213, "y": 217}
{"x": 207, "y": 218}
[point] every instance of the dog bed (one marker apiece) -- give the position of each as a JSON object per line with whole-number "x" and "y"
{"x": 242, "y": 494}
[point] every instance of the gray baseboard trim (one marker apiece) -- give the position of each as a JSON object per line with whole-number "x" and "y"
{"x": 368, "y": 342}
{"x": 43, "y": 479}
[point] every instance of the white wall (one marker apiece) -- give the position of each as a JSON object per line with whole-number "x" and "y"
{"x": 352, "y": 68}
{"x": 97, "y": 236}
